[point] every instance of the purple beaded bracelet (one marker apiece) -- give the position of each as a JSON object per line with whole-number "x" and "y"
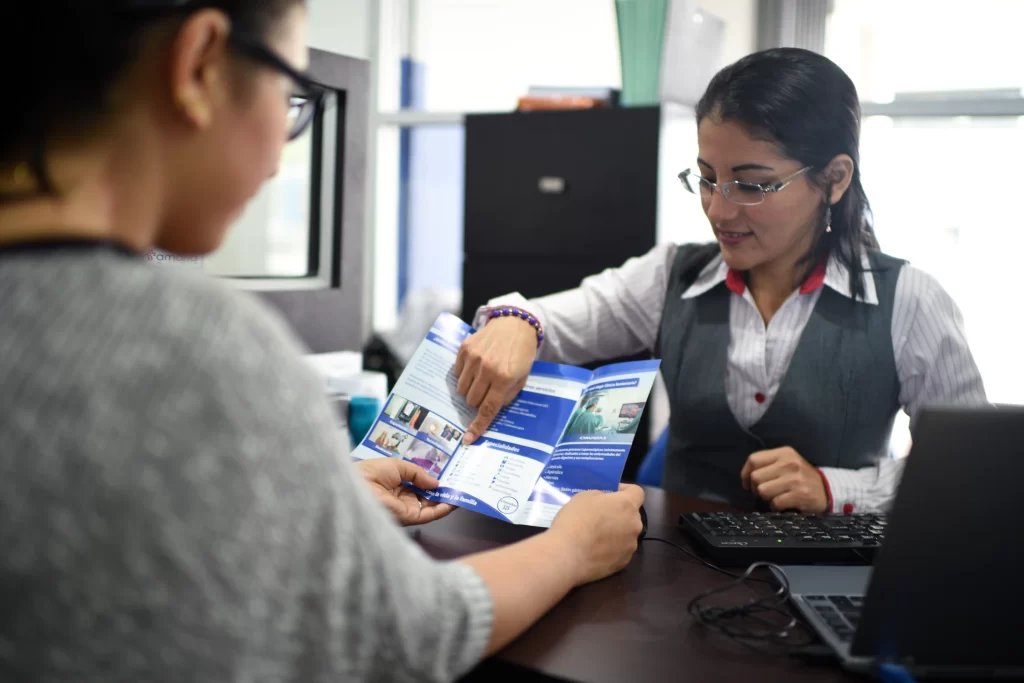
{"x": 512, "y": 311}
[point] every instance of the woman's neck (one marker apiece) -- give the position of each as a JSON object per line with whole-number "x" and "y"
{"x": 88, "y": 203}
{"x": 772, "y": 283}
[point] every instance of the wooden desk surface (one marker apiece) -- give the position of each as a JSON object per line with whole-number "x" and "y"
{"x": 630, "y": 627}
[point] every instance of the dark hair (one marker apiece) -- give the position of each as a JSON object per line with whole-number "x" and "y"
{"x": 68, "y": 54}
{"x": 809, "y": 107}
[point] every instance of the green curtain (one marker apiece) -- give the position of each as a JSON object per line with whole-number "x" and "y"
{"x": 641, "y": 35}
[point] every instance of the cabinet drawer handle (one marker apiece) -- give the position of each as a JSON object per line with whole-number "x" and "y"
{"x": 551, "y": 185}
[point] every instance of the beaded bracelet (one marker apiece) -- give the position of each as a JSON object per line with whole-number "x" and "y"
{"x": 514, "y": 312}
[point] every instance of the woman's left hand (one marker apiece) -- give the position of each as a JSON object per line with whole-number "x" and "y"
{"x": 782, "y": 477}
{"x": 385, "y": 477}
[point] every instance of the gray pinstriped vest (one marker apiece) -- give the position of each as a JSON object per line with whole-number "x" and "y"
{"x": 836, "y": 403}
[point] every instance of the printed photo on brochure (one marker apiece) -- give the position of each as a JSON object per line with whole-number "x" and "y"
{"x": 569, "y": 430}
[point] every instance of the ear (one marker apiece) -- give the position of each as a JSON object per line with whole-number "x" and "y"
{"x": 199, "y": 57}
{"x": 838, "y": 175}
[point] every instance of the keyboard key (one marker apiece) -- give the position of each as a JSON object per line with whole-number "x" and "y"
{"x": 834, "y": 621}
{"x": 844, "y": 633}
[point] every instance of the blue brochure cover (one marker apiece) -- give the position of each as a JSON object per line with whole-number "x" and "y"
{"x": 568, "y": 431}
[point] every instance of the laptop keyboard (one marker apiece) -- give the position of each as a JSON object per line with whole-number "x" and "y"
{"x": 841, "y": 613}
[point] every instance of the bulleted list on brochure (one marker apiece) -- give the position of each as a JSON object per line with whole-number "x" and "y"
{"x": 569, "y": 430}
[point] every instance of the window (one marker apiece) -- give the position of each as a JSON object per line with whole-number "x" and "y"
{"x": 955, "y": 48}
{"x": 933, "y": 184}
{"x": 942, "y": 133}
{"x": 419, "y": 218}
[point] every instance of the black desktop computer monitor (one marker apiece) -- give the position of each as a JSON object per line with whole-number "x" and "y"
{"x": 329, "y": 305}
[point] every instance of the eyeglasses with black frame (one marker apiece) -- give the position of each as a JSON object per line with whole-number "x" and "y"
{"x": 736, "y": 191}
{"x": 306, "y": 95}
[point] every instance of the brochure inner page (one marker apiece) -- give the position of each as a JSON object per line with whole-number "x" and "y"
{"x": 502, "y": 468}
{"x": 592, "y": 450}
{"x": 425, "y": 419}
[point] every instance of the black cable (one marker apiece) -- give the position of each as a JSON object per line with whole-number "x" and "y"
{"x": 757, "y": 610}
{"x": 731, "y": 621}
{"x": 701, "y": 560}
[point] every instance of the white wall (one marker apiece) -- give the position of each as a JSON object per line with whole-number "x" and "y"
{"x": 340, "y": 26}
{"x": 740, "y": 18}
{"x": 481, "y": 55}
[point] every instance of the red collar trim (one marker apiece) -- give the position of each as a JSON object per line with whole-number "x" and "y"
{"x": 735, "y": 281}
{"x": 815, "y": 280}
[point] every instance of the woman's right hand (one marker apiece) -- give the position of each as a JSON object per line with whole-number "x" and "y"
{"x": 492, "y": 368}
{"x": 604, "y": 528}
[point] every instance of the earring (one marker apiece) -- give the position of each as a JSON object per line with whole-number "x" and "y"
{"x": 828, "y": 219}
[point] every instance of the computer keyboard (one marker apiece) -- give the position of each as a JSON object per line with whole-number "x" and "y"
{"x": 738, "y": 539}
{"x": 840, "y": 613}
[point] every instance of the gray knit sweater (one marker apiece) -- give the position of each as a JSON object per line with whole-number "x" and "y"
{"x": 173, "y": 502}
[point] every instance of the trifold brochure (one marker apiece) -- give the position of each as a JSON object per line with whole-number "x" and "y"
{"x": 568, "y": 431}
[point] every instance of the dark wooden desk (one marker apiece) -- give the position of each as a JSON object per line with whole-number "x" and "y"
{"x": 630, "y": 627}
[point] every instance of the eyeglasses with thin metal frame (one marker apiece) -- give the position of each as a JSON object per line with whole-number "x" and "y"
{"x": 736, "y": 191}
{"x": 306, "y": 96}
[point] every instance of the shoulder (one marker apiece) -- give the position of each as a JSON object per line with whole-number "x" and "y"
{"x": 911, "y": 287}
{"x": 918, "y": 287}
{"x": 207, "y": 319}
{"x": 229, "y": 340}
{"x": 163, "y": 377}
{"x": 878, "y": 259}
{"x": 691, "y": 252}
{"x": 922, "y": 305}
{"x": 690, "y": 259}
{"x": 135, "y": 323}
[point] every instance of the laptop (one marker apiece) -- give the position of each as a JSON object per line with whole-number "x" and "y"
{"x": 945, "y": 597}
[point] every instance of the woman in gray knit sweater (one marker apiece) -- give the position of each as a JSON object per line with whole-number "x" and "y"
{"x": 173, "y": 502}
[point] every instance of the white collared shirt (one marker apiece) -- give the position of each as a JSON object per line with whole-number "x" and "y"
{"x": 618, "y": 312}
